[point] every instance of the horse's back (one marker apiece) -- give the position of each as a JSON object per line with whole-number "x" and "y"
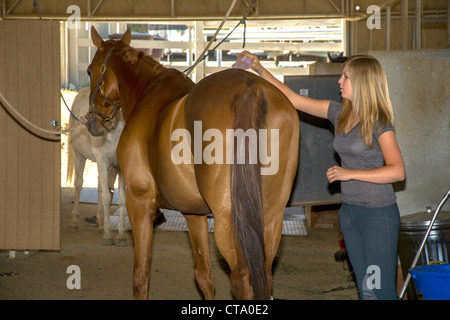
{"x": 218, "y": 90}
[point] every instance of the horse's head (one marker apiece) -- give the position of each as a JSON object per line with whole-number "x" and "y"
{"x": 104, "y": 100}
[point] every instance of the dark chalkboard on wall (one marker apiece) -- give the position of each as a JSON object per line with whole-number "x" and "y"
{"x": 316, "y": 153}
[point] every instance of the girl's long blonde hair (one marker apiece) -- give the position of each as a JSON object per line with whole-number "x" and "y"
{"x": 370, "y": 100}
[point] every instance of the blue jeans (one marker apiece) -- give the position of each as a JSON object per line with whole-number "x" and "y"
{"x": 371, "y": 239}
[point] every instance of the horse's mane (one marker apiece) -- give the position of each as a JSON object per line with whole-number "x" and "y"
{"x": 149, "y": 65}
{"x": 154, "y": 73}
{"x": 132, "y": 55}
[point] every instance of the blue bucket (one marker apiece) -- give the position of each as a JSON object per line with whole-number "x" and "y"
{"x": 432, "y": 281}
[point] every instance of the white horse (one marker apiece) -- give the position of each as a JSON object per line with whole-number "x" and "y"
{"x": 102, "y": 150}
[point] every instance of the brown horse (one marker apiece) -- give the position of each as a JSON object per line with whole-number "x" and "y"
{"x": 177, "y": 151}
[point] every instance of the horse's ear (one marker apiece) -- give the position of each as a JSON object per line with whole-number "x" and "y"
{"x": 126, "y": 38}
{"x": 96, "y": 39}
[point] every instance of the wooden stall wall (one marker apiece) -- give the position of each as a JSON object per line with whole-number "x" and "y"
{"x": 29, "y": 163}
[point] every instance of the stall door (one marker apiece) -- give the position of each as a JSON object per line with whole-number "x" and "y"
{"x": 29, "y": 162}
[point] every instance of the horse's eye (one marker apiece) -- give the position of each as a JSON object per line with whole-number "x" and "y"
{"x": 89, "y": 73}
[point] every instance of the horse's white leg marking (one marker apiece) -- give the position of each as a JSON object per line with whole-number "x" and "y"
{"x": 105, "y": 200}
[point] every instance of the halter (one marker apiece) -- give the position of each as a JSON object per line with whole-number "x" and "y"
{"x": 99, "y": 86}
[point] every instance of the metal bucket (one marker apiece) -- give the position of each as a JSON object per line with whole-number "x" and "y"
{"x": 412, "y": 232}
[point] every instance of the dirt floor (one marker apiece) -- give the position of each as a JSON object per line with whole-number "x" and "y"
{"x": 305, "y": 268}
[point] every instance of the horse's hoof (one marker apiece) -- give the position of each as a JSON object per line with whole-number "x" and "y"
{"x": 72, "y": 228}
{"x": 108, "y": 241}
{"x": 121, "y": 242}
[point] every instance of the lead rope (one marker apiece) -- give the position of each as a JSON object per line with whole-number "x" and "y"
{"x": 242, "y": 21}
{"x": 67, "y": 107}
{"x": 38, "y": 130}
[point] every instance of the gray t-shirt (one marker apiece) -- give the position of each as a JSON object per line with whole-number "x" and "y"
{"x": 355, "y": 154}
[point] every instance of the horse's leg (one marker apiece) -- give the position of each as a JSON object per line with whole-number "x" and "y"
{"x": 112, "y": 174}
{"x": 80, "y": 162}
{"x": 227, "y": 244}
{"x": 198, "y": 232}
{"x": 99, "y": 214}
{"x": 105, "y": 200}
{"x": 218, "y": 197}
{"x": 141, "y": 217}
{"x": 272, "y": 235}
{"x": 121, "y": 238}
{"x": 228, "y": 247}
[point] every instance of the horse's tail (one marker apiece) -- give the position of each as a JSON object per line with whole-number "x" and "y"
{"x": 249, "y": 107}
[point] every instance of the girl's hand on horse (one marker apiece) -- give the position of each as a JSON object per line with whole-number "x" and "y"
{"x": 256, "y": 65}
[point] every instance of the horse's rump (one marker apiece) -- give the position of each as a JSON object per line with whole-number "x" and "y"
{"x": 235, "y": 99}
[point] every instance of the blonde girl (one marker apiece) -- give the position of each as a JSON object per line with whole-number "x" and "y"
{"x": 370, "y": 161}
